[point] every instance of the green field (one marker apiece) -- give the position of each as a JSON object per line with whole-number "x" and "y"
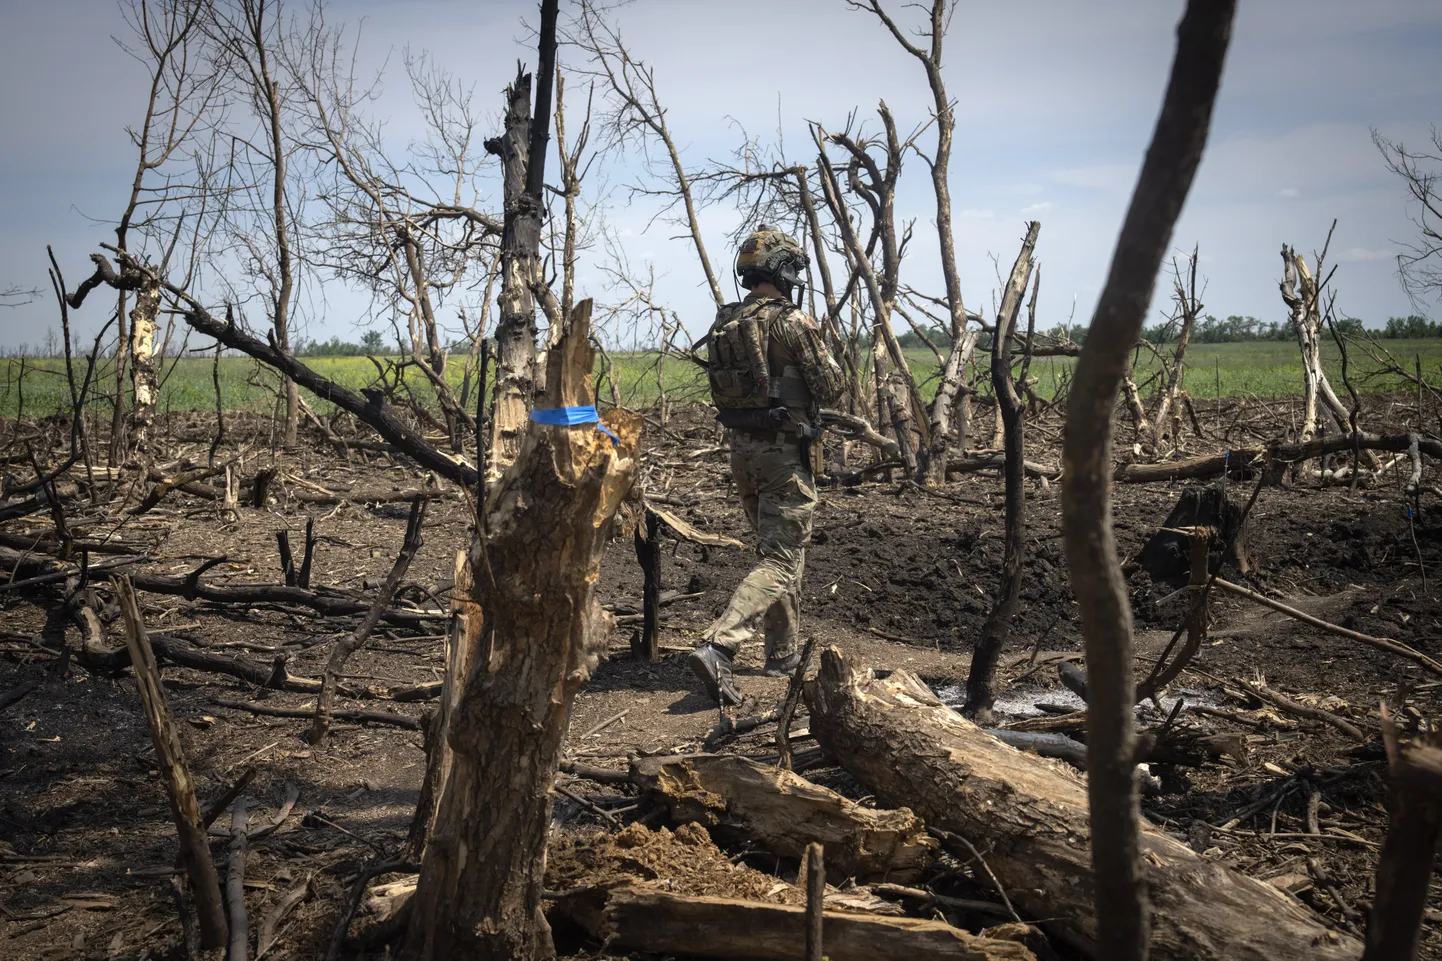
{"x": 1263, "y": 369}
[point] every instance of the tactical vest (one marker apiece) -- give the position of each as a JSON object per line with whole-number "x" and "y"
{"x": 739, "y": 361}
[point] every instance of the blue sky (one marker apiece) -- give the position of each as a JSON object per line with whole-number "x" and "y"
{"x": 1056, "y": 102}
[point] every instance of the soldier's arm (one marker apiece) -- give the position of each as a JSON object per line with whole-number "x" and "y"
{"x": 818, "y": 368}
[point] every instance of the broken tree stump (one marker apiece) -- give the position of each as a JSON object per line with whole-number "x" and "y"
{"x": 547, "y": 521}
{"x": 1030, "y": 814}
{"x": 1166, "y": 554}
{"x": 739, "y": 799}
{"x": 671, "y": 924}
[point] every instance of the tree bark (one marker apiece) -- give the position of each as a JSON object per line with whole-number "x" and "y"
{"x": 463, "y": 637}
{"x": 516, "y": 317}
{"x": 1244, "y": 458}
{"x": 660, "y": 923}
{"x": 1306, "y": 323}
{"x": 522, "y": 149}
{"x": 535, "y": 564}
{"x": 1030, "y": 814}
{"x": 1166, "y": 177}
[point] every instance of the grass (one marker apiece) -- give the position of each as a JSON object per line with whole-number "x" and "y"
{"x": 1266, "y": 369}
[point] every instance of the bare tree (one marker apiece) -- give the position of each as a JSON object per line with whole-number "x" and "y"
{"x": 636, "y": 117}
{"x": 899, "y": 401}
{"x": 263, "y": 215}
{"x": 994, "y": 632}
{"x": 410, "y": 232}
{"x": 573, "y": 172}
{"x": 1167, "y": 421}
{"x": 168, "y": 39}
{"x": 1420, "y": 263}
{"x": 1166, "y": 177}
{"x": 963, "y": 341}
{"x": 1302, "y": 293}
{"x": 480, "y": 889}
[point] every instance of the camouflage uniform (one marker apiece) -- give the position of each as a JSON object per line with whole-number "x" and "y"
{"x": 769, "y": 464}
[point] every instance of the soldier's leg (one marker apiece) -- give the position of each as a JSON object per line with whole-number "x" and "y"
{"x": 734, "y": 626}
{"x": 785, "y": 505}
{"x": 783, "y": 621}
{"x": 711, "y": 661}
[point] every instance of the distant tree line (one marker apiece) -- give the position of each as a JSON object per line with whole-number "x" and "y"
{"x": 1411, "y": 327}
{"x": 1214, "y": 330}
{"x": 371, "y": 342}
{"x": 1237, "y": 329}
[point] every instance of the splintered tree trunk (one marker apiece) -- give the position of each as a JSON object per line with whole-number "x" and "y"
{"x": 963, "y": 344}
{"x": 464, "y": 635}
{"x": 1029, "y": 815}
{"x": 142, "y": 365}
{"x": 1301, "y": 294}
{"x": 1138, "y": 413}
{"x": 516, "y": 320}
{"x": 1307, "y": 335}
{"x": 535, "y": 570}
{"x": 1168, "y": 420}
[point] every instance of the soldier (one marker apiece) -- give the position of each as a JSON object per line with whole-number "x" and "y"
{"x": 770, "y": 373}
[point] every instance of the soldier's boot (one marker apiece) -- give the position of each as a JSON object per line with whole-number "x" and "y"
{"x": 712, "y": 667}
{"x": 784, "y": 666}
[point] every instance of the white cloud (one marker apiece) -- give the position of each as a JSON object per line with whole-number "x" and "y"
{"x": 1354, "y": 255}
{"x": 1033, "y": 210}
{"x": 1289, "y": 192}
{"x": 972, "y": 213}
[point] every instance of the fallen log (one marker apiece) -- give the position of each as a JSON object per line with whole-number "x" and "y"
{"x": 671, "y": 924}
{"x": 46, "y": 543}
{"x": 1058, "y": 746}
{"x": 332, "y": 603}
{"x": 363, "y": 717}
{"x": 995, "y": 460}
{"x": 328, "y": 602}
{"x": 739, "y": 799}
{"x": 1030, "y": 813}
{"x": 1241, "y": 459}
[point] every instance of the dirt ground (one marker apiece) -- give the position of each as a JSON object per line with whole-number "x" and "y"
{"x": 897, "y": 577}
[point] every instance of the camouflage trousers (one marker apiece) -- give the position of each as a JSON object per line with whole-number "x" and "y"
{"x": 778, "y": 494}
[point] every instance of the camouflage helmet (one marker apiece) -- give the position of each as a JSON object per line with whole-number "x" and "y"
{"x": 769, "y": 254}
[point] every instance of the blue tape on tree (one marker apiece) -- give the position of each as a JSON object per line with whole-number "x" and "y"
{"x": 569, "y": 416}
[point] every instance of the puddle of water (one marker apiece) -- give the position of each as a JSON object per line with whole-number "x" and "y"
{"x": 1020, "y": 702}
